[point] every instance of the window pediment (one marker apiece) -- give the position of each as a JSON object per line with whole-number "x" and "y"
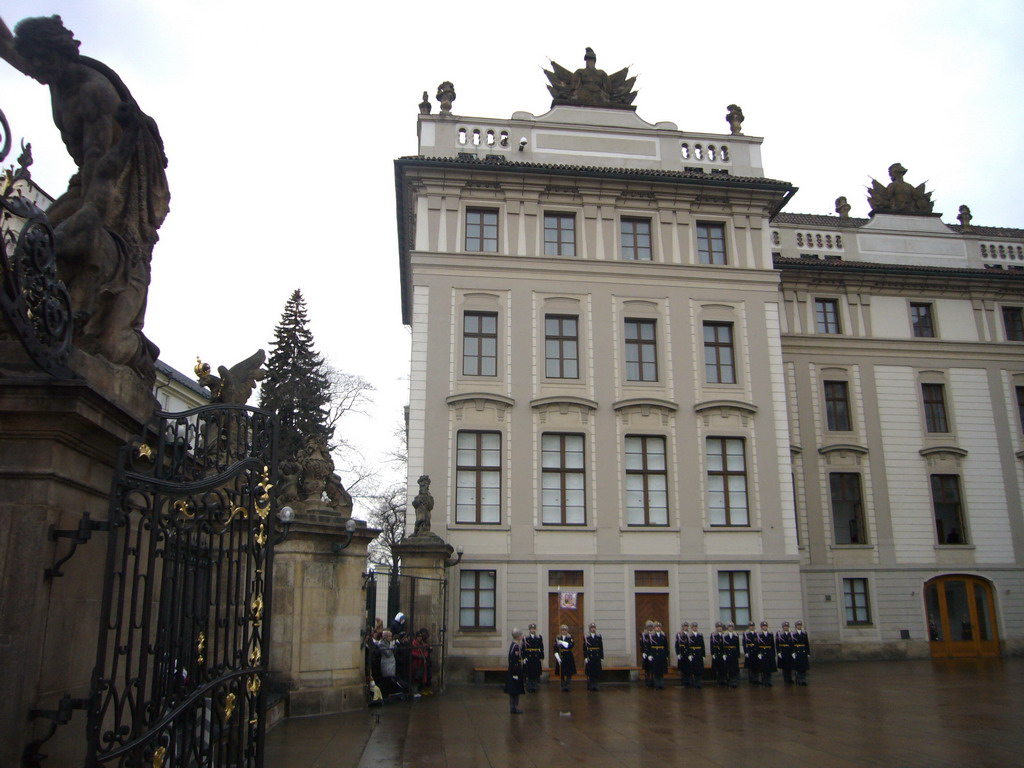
{"x": 725, "y": 410}
{"x": 948, "y": 456}
{"x": 645, "y": 406}
{"x": 480, "y": 401}
{"x": 564, "y": 404}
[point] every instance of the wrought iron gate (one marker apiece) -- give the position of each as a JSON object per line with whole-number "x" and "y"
{"x": 424, "y": 602}
{"x": 182, "y": 652}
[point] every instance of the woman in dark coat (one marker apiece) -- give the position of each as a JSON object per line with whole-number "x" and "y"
{"x": 565, "y": 663}
{"x": 514, "y": 683}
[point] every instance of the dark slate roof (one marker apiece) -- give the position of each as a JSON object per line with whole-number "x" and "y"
{"x": 1010, "y": 232}
{"x": 499, "y": 162}
{"x": 174, "y": 374}
{"x": 788, "y": 262}
{"x": 814, "y": 220}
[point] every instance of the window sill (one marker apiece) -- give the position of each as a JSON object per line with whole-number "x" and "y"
{"x": 851, "y": 546}
{"x": 860, "y": 625}
{"x": 566, "y": 528}
{"x": 478, "y": 526}
{"x": 649, "y": 529}
{"x": 731, "y": 529}
{"x": 952, "y": 547}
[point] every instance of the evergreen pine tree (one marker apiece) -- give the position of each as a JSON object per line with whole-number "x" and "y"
{"x": 296, "y": 385}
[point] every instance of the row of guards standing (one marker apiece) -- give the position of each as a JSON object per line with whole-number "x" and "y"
{"x": 763, "y": 652}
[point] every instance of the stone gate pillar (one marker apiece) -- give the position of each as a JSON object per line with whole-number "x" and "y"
{"x": 318, "y": 613}
{"x": 58, "y": 447}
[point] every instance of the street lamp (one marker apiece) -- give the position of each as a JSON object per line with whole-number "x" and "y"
{"x": 339, "y": 546}
{"x": 457, "y": 560}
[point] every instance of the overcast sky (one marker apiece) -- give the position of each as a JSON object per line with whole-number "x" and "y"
{"x": 281, "y": 122}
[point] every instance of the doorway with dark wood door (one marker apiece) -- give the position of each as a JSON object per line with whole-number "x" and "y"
{"x": 652, "y": 606}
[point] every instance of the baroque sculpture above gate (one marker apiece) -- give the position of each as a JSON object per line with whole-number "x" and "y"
{"x": 106, "y": 222}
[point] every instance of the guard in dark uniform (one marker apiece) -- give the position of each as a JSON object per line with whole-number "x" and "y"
{"x": 715, "y": 646}
{"x": 731, "y": 655}
{"x": 766, "y": 665}
{"x": 750, "y": 654}
{"x": 593, "y": 655}
{"x": 645, "y": 652}
{"x": 695, "y": 656}
{"x": 682, "y": 644}
{"x": 565, "y": 662}
{"x": 658, "y": 651}
{"x": 533, "y": 658}
{"x": 801, "y": 647}
{"x": 514, "y": 685}
{"x": 784, "y": 652}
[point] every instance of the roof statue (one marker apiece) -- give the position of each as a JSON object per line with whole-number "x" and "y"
{"x": 842, "y": 208}
{"x": 590, "y": 86}
{"x": 964, "y": 217}
{"x": 445, "y": 96}
{"x": 734, "y": 117}
{"x": 899, "y": 196}
{"x": 106, "y": 222}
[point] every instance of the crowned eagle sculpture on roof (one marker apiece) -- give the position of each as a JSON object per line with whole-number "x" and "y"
{"x": 590, "y": 86}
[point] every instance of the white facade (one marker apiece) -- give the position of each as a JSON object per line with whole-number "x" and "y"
{"x": 617, "y": 388}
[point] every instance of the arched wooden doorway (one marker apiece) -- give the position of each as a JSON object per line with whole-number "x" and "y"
{"x": 961, "y": 617}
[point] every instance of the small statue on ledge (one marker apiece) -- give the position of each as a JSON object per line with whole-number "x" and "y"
{"x": 842, "y": 208}
{"x": 734, "y": 117}
{"x": 445, "y": 96}
{"x": 423, "y": 504}
{"x": 964, "y": 217}
{"x": 899, "y": 196}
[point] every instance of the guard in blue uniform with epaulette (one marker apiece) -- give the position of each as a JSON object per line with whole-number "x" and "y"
{"x": 533, "y": 658}
{"x": 750, "y": 655}
{"x": 801, "y": 646}
{"x": 731, "y": 655}
{"x": 695, "y": 653}
{"x": 593, "y": 655}
{"x": 645, "y": 652}
{"x": 682, "y": 643}
{"x": 658, "y": 652}
{"x": 784, "y": 652}
{"x": 717, "y": 649}
{"x": 766, "y": 664}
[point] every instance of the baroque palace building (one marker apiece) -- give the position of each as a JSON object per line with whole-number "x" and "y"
{"x": 642, "y": 391}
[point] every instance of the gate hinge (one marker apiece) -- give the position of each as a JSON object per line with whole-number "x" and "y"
{"x": 78, "y": 535}
{"x": 30, "y": 756}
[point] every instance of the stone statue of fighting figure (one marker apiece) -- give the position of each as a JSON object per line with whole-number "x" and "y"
{"x": 106, "y": 222}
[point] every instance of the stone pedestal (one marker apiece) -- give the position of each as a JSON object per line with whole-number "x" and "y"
{"x": 58, "y": 445}
{"x": 318, "y": 609}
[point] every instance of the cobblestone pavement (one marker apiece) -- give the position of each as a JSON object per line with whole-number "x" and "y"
{"x": 910, "y": 713}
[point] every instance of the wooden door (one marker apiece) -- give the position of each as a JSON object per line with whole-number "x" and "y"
{"x": 961, "y": 617}
{"x": 572, "y": 618}
{"x": 651, "y": 606}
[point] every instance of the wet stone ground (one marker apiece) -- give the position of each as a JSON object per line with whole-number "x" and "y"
{"x": 912, "y": 713}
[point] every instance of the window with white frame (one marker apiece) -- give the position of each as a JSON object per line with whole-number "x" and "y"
{"x": 727, "y": 482}
{"x": 646, "y": 480}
